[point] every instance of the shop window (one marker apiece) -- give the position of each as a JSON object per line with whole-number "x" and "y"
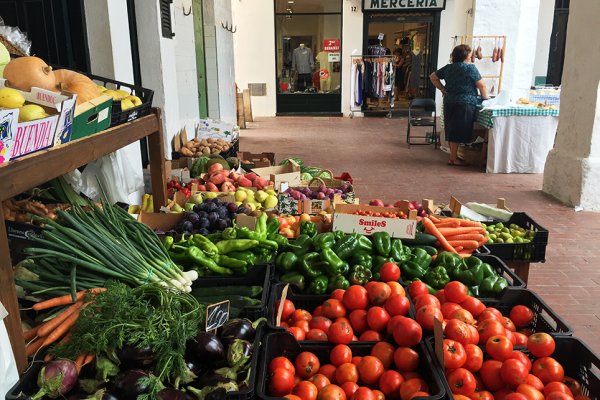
{"x": 308, "y": 6}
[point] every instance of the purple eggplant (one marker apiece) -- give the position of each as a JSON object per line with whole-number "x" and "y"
{"x": 135, "y": 357}
{"x": 174, "y": 394}
{"x": 206, "y": 347}
{"x": 129, "y": 384}
{"x": 237, "y": 328}
{"x": 56, "y": 378}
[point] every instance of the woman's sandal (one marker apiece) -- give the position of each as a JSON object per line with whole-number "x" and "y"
{"x": 457, "y": 163}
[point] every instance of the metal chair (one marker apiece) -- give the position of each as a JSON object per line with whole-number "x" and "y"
{"x": 422, "y": 112}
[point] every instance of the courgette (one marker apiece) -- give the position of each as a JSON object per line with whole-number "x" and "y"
{"x": 248, "y": 291}
{"x": 421, "y": 239}
{"x": 234, "y": 301}
{"x": 432, "y": 251}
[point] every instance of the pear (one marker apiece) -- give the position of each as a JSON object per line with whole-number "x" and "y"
{"x": 31, "y": 112}
{"x": 238, "y": 203}
{"x": 250, "y": 206}
{"x": 271, "y": 192}
{"x": 189, "y": 206}
{"x": 270, "y": 202}
{"x": 240, "y": 195}
{"x": 196, "y": 198}
{"x": 177, "y": 209}
{"x": 11, "y": 98}
{"x": 210, "y": 195}
{"x": 260, "y": 196}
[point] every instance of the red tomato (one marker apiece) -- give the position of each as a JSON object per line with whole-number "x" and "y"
{"x": 516, "y": 354}
{"x": 331, "y": 392}
{"x": 457, "y": 330}
{"x": 463, "y": 315}
{"x": 346, "y": 372}
{"x": 320, "y": 322}
{"x": 558, "y": 396}
{"x": 510, "y": 336}
{"x": 455, "y": 355}
{"x": 455, "y": 291}
{"x": 281, "y": 362}
{"x": 407, "y": 332}
{"x": 288, "y": 309}
{"x": 488, "y": 328}
{"x": 363, "y": 393}
{"x": 298, "y": 333}
{"x": 482, "y": 395}
{"x": 474, "y": 334}
{"x": 441, "y": 296}
{"x": 490, "y": 375}
{"x": 499, "y": 347}
{"x": 490, "y": 313}
{"x": 392, "y": 323}
{"x": 573, "y": 385}
{"x": 509, "y": 325}
{"x": 384, "y": 351}
{"x": 307, "y": 365}
{"x": 337, "y": 294}
{"x": 317, "y": 334}
{"x": 396, "y": 288}
{"x": 284, "y": 324}
{"x": 303, "y": 324}
{"x": 417, "y": 288}
{"x": 515, "y": 396}
{"x": 320, "y": 381}
{"x": 328, "y": 370}
{"x": 520, "y": 339}
{"x": 390, "y": 382}
{"x": 426, "y": 315}
{"x": 356, "y": 298}
{"x": 306, "y": 390}
{"x": 411, "y": 375}
{"x": 340, "y": 354}
{"x": 460, "y": 397}
{"x": 514, "y": 372}
{"x": 358, "y": 321}
{"x": 377, "y": 317}
{"x": 406, "y": 359}
{"x": 370, "y": 336}
{"x": 411, "y": 386}
{"x": 397, "y": 305}
{"x": 535, "y": 382}
{"x": 349, "y": 388}
{"x": 333, "y": 309}
{"x": 389, "y": 272}
{"x": 548, "y": 370}
{"x": 370, "y": 369}
{"x": 318, "y": 311}
{"x": 557, "y": 387}
{"x": 521, "y": 316}
{"x": 448, "y": 308}
{"x": 474, "y": 357}
{"x": 378, "y": 292}
{"x": 419, "y": 394}
{"x": 356, "y": 360}
{"x": 291, "y": 397}
{"x": 281, "y": 382}
{"x": 380, "y": 396}
{"x": 340, "y": 332}
{"x": 473, "y": 305}
{"x": 300, "y": 315}
{"x": 530, "y": 392}
{"x": 426, "y": 299}
{"x": 461, "y": 381}
{"x": 541, "y": 344}
{"x": 503, "y": 394}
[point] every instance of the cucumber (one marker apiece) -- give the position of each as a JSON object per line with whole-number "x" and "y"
{"x": 234, "y": 301}
{"x": 248, "y": 291}
{"x": 432, "y": 251}
{"x": 421, "y": 239}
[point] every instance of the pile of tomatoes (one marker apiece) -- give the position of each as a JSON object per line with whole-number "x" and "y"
{"x": 385, "y": 372}
{"x": 385, "y": 214}
{"x": 371, "y": 313}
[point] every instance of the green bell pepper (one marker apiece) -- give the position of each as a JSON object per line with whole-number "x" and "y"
{"x": 281, "y": 240}
{"x": 227, "y": 246}
{"x": 488, "y": 270}
{"x": 229, "y": 233}
{"x": 492, "y": 286}
{"x": 293, "y": 278}
{"x": 360, "y": 275}
{"x": 397, "y": 251}
{"x": 337, "y": 282}
{"x": 473, "y": 291}
{"x": 301, "y": 245}
{"x": 412, "y": 270}
{"x": 323, "y": 241}
{"x": 382, "y": 243}
{"x": 345, "y": 247}
{"x": 420, "y": 257}
{"x": 469, "y": 271}
{"x": 364, "y": 244}
{"x": 318, "y": 285}
{"x": 345, "y": 268}
{"x": 307, "y": 265}
{"x": 338, "y": 235}
{"x": 286, "y": 262}
{"x": 333, "y": 262}
{"x": 273, "y": 226}
{"x": 362, "y": 258}
{"x": 437, "y": 277}
{"x": 308, "y": 228}
{"x": 245, "y": 255}
{"x": 448, "y": 260}
{"x": 263, "y": 255}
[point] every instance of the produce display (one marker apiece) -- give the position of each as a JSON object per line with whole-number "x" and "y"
{"x": 320, "y": 193}
{"x": 289, "y": 225}
{"x": 208, "y": 216}
{"x": 22, "y": 210}
{"x": 456, "y": 235}
{"x": 200, "y": 147}
{"x": 498, "y": 233}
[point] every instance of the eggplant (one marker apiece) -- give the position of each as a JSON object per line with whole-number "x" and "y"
{"x": 237, "y": 328}
{"x": 174, "y": 394}
{"x": 215, "y": 392}
{"x": 129, "y": 386}
{"x": 206, "y": 347}
{"x": 101, "y": 394}
{"x": 135, "y": 357}
{"x": 211, "y": 378}
{"x": 239, "y": 353}
{"x": 56, "y": 378}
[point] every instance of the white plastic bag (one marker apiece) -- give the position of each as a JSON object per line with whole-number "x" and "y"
{"x": 8, "y": 367}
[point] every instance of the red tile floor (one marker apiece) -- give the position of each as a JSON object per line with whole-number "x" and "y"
{"x": 373, "y": 150}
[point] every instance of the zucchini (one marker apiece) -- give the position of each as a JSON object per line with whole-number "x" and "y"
{"x": 248, "y": 291}
{"x": 239, "y": 302}
{"x": 421, "y": 239}
{"x": 432, "y": 251}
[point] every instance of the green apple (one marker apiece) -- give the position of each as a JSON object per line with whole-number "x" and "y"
{"x": 270, "y": 202}
{"x": 241, "y": 195}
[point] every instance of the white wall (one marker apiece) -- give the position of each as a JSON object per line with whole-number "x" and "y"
{"x": 545, "y": 21}
{"x": 352, "y": 43}
{"x": 254, "y": 48}
{"x": 225, "y": 62}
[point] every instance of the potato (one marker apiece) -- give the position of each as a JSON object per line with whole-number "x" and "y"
{"x": 186, "y": 152}
{"x": 205, "y": 150}
{"x": 214, "y": 151}
{"x": 204, "y": 142}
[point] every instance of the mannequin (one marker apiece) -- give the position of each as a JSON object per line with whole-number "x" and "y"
{"x": 303, "y": 63}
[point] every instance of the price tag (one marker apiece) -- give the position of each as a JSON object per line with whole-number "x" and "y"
{"x": 438, "y": 340}
{"x": 281, "y": 302}
{"x": 381, "y": 36}
{"x": 216, "y": 315}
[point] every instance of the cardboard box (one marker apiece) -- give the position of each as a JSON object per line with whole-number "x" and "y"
{"x": 250, "y": 160}
{"x": 30, "y": 137}
{"x": 92, "y": 117}
{"x": 344, "y": 220}
{"x": 281, "y": 174}
{"x": 160, "y": 221}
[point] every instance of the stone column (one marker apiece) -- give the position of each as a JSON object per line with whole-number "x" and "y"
{"x": 572, "y": 172}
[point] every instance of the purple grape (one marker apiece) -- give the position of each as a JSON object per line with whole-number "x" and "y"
{"x": 232, "y": 208}
{"x": 203, "y": 214}
{"x": 242, "y": 210}
{"x": 222, "y": 212}
{"x": 192, "y": 217}
{"x": 198, "y": 208}
{"x": 203, "y": 231}
{"x": 221, "y": 224}
{"x": 204, "y": 223}
{"x": 187, "y": 226}
{"x": 212, "y": 217}
{"x": 322, "y": 188}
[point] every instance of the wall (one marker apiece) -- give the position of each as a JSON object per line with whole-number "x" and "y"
{"x": 352, "y": 43}
{"x": 545, "y": 21}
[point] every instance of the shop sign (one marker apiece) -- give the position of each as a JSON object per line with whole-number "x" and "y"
{"x": 333, "y": 57}
{"x": 331, "y": 45}
{"x": 400, "y": 5}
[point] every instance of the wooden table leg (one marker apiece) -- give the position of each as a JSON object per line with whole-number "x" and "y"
{"x": 8, "y": 297}
{"x": 156, "y": 150}
{"x": 521, "y": 269}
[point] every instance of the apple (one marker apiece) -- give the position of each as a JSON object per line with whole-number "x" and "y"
{"x": 377, "y": 202}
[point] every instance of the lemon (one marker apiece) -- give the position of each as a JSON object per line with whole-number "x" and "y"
{"x": 31, "y": 112}
{"x": 11, "y": 98}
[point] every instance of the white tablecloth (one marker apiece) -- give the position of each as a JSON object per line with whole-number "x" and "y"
{"x": 520, "y": 144}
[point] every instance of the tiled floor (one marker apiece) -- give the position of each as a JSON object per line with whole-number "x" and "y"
{"x": 373, "y": 150}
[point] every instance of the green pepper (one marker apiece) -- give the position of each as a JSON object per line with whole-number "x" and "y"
{"x": 364, "y": 244}
{"x": 397, "y": 252}
{"x": 359, "y": 275}
{"x": 229, "y": 233}
{"x": 293, "y": 278}
{"x": 469, "y": 272}
{"x": 227, "y": 246}
{"x": 205, "y": 245}
{"x": 345, "y": 247}
{"x": 307, "y": 262}
{"x": 301, "y": 245}
{"x": 337, "y": 282}
{"x": 411, "y": 270}
{"x": 345, "y": 268}
{"x": 286, "y": 262}
{"x": 281, "y": 240}
{"x": 420, "y": 257}
{"x": 230, "y": 262}
{"x": 263, "y": 254}
{"x": 338, "y": 235}
{"x": 245, "y": 255}
{"x": 214, "y": 237}
{"x": 261, "y": 226}
{"x": 168, "y": 242}
{"x": 198, "y": 256}
{"x": 488, "y": 270}
{"x": 448, "y": 260}
{"x": 308, "y": 228}
{"x": 273, "y": 226}
{"x": 245, "y": 233}
{"x": 473, "y": 291}
{"x": 437, "y": 277}
{"x": 268, "y": 244}
{"x": 382, "y": 243}
{"x": 318, "y": 285}
{"x": 492, "y": 286}
{"x": 362, "y": 258}
{"x": 333, "y": 262}
{"x": 323, "y": 241}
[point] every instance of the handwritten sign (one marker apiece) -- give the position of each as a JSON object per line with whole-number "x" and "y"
{"x": 216, "y": 315}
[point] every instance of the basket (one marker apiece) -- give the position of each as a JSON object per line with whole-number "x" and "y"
{"x": 283, "y": 344}
{"x": 535, "y": 251}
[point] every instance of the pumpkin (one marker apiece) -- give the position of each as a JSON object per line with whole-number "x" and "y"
{"x": 74, "y": 82}
{"x": 26, "y": 72}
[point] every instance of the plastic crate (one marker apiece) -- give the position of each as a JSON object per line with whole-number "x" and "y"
{"x": 259, "y": 275}
{"x": 283, "y": 344}
{"x": 534, "y": 251}
{"x": 544, "y": 318}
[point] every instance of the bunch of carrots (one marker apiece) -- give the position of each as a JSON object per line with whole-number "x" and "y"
{"x": 57, "y": 328}
{"x": 456, "y": 235}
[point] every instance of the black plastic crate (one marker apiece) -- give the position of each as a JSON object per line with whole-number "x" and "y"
{"x": 283, "y": 344}
{"x": 535, "y": 251}
{"x": 259, "y": 275}
{"x": 233, "y": 149}
{"x": 544, "y": 320}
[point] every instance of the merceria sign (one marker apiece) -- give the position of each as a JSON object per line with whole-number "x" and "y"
{"x": 403, "y": 5}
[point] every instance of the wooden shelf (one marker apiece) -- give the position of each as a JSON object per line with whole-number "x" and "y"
{"x": 25, "y": 173}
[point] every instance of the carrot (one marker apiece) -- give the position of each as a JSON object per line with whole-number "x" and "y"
{"x": 62, "y": 328}
{"x": 32, "y": 333}
{"x": 471, "y": 236}
{"x": 447, "y": 224}
{"x": 460, "y": 231}
{"x": 433, "y": 230}
{"x": 48, "y": 357}
{"x": 33, "y": 347}
{"x": 464, "y": 222}
{"x": 64, "y": 300}
{"x": 434, "y": 219}
{"x": 458, "y": 248}
{"x": 466, "y": 244}
{"x": 433, "y": 257}
{"x": 465, "y": 254}
{"x": 79, "y": 361}
{"x": 88, "y": 359}
{"x": 56, "y": 321}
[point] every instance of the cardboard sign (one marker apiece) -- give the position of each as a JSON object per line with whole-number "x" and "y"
{"x": 346, "y": 221}
{"x": 438, "y": 340}
{"x": 216, "y": 315}
{"x": 8, "y": 131}
{"x": 281, "y": 304}
{"x": 332, "y": 45}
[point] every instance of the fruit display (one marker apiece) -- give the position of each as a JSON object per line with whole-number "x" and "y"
{"x": 209, "y": 216}
{"x": 289, "y": 225}
{"x": 220, "y": 179}
{"x": 198, "y": 147}
{"x": 499, "y": 233}
{"x": 320, "y": 193}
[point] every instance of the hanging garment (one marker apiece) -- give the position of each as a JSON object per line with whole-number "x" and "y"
{"x": 359, "y": 85}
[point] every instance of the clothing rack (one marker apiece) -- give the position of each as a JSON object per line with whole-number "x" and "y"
{"x": 475, "y": 41}
{"x": 359, "y": 60}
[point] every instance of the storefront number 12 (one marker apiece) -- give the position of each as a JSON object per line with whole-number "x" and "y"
{"x": 353, "y": 8}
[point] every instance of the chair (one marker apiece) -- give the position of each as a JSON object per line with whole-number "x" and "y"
{"x": 422, "y": 112}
